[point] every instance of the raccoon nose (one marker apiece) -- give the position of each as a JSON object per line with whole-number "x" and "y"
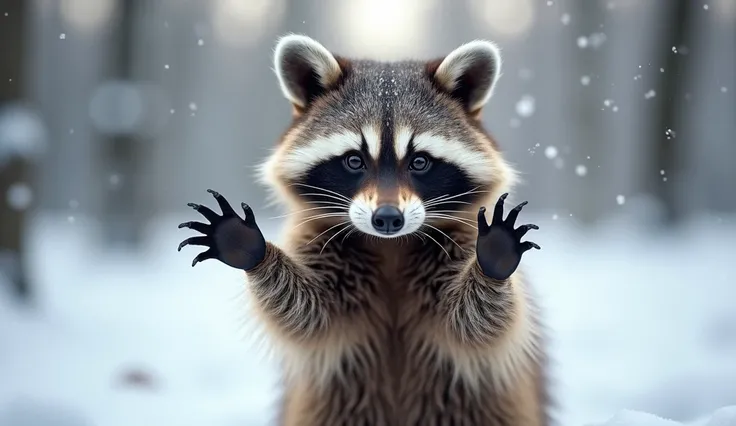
{"x": 388, "y": 220}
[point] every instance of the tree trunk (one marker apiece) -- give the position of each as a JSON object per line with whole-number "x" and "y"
{"x": 15, "y": 169}
{"x": 123, "y": 209}
{"x": 671, "y": 90}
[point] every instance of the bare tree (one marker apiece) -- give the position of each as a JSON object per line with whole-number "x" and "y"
{"x": 15, "y": 169}
{"x": 123, "y": 210}
{"x": 667, "y": 155}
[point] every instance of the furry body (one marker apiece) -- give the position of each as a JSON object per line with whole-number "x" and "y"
{"x": 389, "y": 304}
{"x": 404, "y": 336}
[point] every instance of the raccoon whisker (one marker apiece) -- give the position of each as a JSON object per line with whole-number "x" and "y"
{"x": 328, "y": 196}
{"x": 452, "y": 218}
{"x": 432, "y": 215}
{"x": 305, "y": 210}
{"x": 325, "y": 190}
{"x": 472, "y": 191}
{"x": 348, "y": 234}
{"x": 446, "y": 236}
{"x": 441, "y": 197}
{"x": 427, "y": 206}
{"x": 436, "y": 242}
{"x": 452, "y": 211}
{"x": 336, "y": 234}
{"x": 325, "y": 231}
{"x": 320, "y": 216}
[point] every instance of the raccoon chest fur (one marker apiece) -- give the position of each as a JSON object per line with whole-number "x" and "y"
{"x": 386, "y": 360}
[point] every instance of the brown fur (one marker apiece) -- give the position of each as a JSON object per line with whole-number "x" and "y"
{"x": 403, "y": 331}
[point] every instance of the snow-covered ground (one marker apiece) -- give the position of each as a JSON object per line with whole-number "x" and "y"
{"x": 640, "y": 321}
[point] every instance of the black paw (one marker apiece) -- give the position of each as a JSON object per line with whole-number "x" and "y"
{"x": 499, "y": 247}
{"x": 231, "y": 240}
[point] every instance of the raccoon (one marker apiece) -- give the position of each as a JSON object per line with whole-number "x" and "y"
{"x": 395, "y": 299}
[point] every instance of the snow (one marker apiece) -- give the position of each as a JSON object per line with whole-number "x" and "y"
{"x": 581, "y": 170}
{"x": 19, "y": 196}
{"x": 639, "y": 322}
{"x": 22, "y": 133}
{"x": 550, "y": 152}
{"x": 525, "y": 106}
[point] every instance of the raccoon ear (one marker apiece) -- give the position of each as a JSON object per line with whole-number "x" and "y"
{"x": 469, "y": 73}
{"x": 305, "y": 69}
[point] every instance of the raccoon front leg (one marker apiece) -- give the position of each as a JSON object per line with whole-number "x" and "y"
{"x": 291, "y": 295}
{"x": 480, "y": 302}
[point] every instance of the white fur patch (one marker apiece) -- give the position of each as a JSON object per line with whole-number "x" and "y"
{"x": 401, "y": 141}
{"x": 460, "y": 60}
{"x": 300, "y": 159}
{"x": 361, "y": 213}
{"x": 309, "y": 50}
{"x": 475, "y": 163}
{"x": 373, "y": 139}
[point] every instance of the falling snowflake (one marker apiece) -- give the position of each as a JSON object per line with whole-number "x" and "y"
{"x": 559, "y": 163}
{"x": 71, "y": 219}
{"x": 637, "y": 77}
{"x": 615, "y": 108}
{"x": 550, "y": 2}
{"x": 19, "y": 196}
{"x": 585, "y": 80}
{"x": 550, "y": 152}
{"x": 670, "y": 134}
{"x": 525, "y": 106}
{"x": 555, "y": 217}
{"x": 200, "y": 42}
{"x": 62, "y": 36}
{"x": 724, "y": 89}
{"x": 661, "y": 70}
{"x": 674, "y": 49}
{"x": 582, "y": 42}
{"x": 172, "y": 110}
{"x": 114, "y": 180}
{"x": 581, "y": 170}
{"x": 705, "y": 7}
{"x": 661, "y": 172}
{"x": 596, "y": 40}
{"x": 192, "y": 106}
{"x": 565, "y": 18}
{"x": 166, "y": 66}
{"x": 650, "y": 94}
{"x": 620, "y": 199}
{"x": 607, "y": 102}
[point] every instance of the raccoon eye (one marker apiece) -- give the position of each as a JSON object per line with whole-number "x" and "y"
{"x": 419, "y": 163}
{"x": 354, "y": 162}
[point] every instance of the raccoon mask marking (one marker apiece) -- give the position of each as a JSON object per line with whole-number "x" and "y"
{"x": 398, "y": 144}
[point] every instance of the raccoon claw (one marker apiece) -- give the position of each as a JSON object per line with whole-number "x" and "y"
{"x": 234, "y": 241}
{"x": 498, "y": 248}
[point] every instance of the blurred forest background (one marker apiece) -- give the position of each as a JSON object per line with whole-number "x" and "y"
{"x": 116, "y": 113}
{"x": 121, "y": 111}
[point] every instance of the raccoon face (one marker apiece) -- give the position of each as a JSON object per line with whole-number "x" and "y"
{"x": 388, "y": 147}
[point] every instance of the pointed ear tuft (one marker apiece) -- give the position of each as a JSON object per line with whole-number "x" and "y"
{"x": 305, "y": 69}
{"x": 469, "y": 73}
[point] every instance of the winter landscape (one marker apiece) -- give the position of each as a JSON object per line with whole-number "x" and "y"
{"x": 115, "y": 114}
{"x": 638, "y": 322}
